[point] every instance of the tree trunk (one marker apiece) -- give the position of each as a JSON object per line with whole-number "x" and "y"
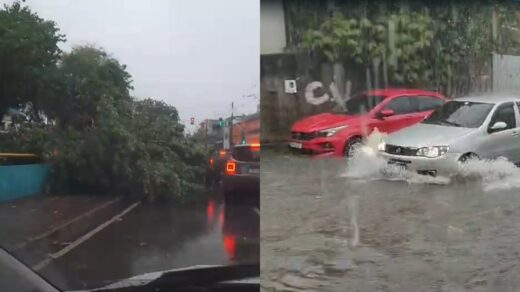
{"x": 385, "y": 72}
{"x": 376, "y": 62}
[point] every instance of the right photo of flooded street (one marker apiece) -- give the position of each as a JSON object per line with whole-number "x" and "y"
{"x": 390, "y": 135}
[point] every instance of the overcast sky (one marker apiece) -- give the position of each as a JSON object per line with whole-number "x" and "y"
{"x": 198, "y": 55}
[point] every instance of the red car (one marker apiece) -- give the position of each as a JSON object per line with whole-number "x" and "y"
{"x": 338, "y": 133}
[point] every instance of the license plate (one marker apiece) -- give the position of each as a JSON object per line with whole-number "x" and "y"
{"x": 254, "y": 170}
{"x": 296, "y": 145}
{"x": 397, "y": 166}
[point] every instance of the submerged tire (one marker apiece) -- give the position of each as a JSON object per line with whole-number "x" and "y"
{"x": 468, "y": 156}
{"x": 351, "y": 146}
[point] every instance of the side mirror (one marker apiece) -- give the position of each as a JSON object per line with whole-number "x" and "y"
{"x": 385, "y": 113}
{"x": 498, "y": 126}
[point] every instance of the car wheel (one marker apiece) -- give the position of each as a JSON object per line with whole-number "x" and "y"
{"x": 468, "y": 156}
{"x": 351, "y": 146}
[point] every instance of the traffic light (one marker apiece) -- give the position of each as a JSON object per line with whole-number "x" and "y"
{"x": 192, "y": 121}
{"x": 219, "y": 125}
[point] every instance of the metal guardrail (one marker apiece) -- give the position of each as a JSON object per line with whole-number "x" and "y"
{"x": 18, "y": 155}
{"x": 19, "y": 159}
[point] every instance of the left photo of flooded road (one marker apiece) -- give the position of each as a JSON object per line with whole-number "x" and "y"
{"x": 129, "y": 145}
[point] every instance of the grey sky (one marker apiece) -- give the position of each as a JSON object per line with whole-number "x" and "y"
{"x": 198, "y": 55}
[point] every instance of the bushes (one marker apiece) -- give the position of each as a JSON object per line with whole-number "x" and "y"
{"x": 139, "y": 151}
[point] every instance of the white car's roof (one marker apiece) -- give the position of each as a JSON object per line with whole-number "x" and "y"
{"x": 491, "y": 98}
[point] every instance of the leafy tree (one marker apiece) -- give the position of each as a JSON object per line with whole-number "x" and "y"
{"x": 28, "y": 56}
{"x": 439, "y": 45}
{"x": 105, "y": 141}
{"x": 402, "y": 38}
{"x": 89, "y": 76}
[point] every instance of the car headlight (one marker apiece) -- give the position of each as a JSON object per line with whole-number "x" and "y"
{"x": 381, "y": 146}
{"x": 433, "y": 151}
{"x": 331, "y": 131}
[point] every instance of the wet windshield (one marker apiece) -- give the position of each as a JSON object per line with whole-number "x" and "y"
{"x": 460, "y": 114}
{"x": 362, "y": 103}
{"x": 115, "y": 132}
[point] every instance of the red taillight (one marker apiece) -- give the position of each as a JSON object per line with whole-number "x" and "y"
{"x": 255, "y": 147}
{"x": 231, "y": 167}
{"x": 210, "y": 210}
{"x": 230, "y": 246}
{"x": 211, "y": 162}
{"x": 222, "y": 153}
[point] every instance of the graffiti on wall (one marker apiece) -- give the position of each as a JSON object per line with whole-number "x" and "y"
{"x": 316, "y": 94}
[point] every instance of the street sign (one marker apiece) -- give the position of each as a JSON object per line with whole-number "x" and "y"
{"x": 290, "y": 86}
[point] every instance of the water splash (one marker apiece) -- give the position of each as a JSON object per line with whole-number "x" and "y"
{"x": 497, "y": 174}
{"x": 366, "y": 165}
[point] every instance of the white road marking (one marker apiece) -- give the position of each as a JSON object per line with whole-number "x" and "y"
{"x": 82, "y": 239}
{"x": 64, "y": 224}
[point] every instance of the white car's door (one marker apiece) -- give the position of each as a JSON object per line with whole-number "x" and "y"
{"x": 503, "y": 142}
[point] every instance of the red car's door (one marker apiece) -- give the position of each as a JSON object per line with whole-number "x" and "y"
{"x": 408, "y": 110}
{"x": 404, "y": 115}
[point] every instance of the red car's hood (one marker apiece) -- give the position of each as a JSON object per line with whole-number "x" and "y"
{"x": 323, "y": 121}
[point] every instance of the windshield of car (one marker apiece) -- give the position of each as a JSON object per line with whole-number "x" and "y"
{"x": 464, "y": 114}
{"x": 247, "y": 153}
{"x": 362, "y": 103}
{"x": 114, "y": 142}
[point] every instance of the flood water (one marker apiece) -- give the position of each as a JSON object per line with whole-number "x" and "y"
{"x": 329, "y": 228}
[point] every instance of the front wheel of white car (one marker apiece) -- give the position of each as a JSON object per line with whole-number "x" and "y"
{"x": 467, "y": 157}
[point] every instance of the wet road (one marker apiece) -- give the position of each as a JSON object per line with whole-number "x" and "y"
{"x": 322, "y": 231}
{"x": 147, "y": 238}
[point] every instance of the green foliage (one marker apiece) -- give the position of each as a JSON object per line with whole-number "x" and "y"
{"x": 104, "y": 141}
{"x": 422, "y": 43}
{"x": 402, "y": 38}
{"x": 28, "y": 55}
{"x": 89, "y": 75}
{"x": 137, "y": 147}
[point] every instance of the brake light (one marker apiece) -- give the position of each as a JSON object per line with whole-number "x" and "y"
{"x": 255, "y": 147}
{"x": 222, "y": 153}
{"x": 210, "y": 211}
{"x": 212, "y": 162}
{"x": 231, "y": 167}
{"x": 230, "y": 246}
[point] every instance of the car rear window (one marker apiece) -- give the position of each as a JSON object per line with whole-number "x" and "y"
{"x": 246, "y": 153}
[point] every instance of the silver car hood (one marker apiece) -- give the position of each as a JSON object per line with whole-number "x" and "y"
{"x": 423, "y": 135}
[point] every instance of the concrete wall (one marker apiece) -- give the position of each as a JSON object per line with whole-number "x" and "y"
{"x": 320, "y": 88}
{"x": 19, "y": 181}
{"x": 272, "y": 27}
{"x": 506, "y": 73}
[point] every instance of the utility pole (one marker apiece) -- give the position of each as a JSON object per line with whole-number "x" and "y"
{"x": 231, "y": 127}
{"x": 206, "y": 135}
